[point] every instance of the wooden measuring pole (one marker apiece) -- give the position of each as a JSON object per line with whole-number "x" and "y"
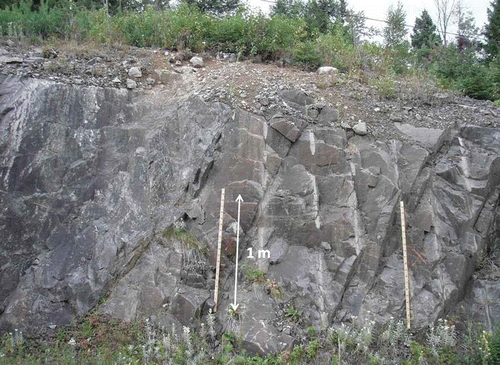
{"x": 219, "y": 246}
{"x": 406, "y": 268}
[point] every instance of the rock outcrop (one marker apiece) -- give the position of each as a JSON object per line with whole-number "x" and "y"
{"x": 95, "y": 183}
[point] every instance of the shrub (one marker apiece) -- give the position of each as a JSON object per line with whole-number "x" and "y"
{"x": 337, "y": 51}
{"x": 306, "y": 53}
{"x": 494, "y": 345}
{"x": 466, "y": 72}
{"x": 312, "y": 349}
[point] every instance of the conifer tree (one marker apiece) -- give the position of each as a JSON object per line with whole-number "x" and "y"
{"x": 289, "y": 8}
{"x": 492, "y": 30}
{"x": 424, "y": 32}
{"x": 215, "y": 6}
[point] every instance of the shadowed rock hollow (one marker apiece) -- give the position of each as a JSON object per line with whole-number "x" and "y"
{"x": 92, "y": 178}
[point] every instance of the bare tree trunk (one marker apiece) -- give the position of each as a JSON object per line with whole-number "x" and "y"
{"x": 445, "y": 10}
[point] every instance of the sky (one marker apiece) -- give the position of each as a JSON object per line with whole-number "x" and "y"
{"x": 377, "y": 9}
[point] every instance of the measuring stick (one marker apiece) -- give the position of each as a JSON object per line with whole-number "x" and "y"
{"x": 219, "y": 245}
{"x": 405, "y": 268}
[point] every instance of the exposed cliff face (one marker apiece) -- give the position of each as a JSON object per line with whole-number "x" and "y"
{"x": 88, "y": 175}
{"x": 91, "y": 178}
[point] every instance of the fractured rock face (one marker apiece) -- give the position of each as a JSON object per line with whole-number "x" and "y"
{"x": 108, "y": 192}
{"x": 82, "y": 204}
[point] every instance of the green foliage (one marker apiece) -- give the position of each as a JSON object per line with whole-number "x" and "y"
{"x": 492, "y": 30}
{"x": 296, "y": 355}
{"x": 385, "y": 86}
{"x": 101, "y": 340}
{"x": 464, "y": 72}
{"x": 312, "y": 349}
{"x": 319, "y": 15}
{"x": 288, "y": 8}
{"x": 232, "y": 312}
{"x": 425, "y": 36}
{"x": 395, "y": 31}
{"x": 185, "y": 237}
{"x": 292, "y": 313}
{"x": 494, "y": 347}
{"x": 254, "y": 275}
{"x": 307, "y": 54}
{"x": 216, "y": 7}
{"x": 42, "y": 23}
{"x": 311, "y": 331}
{"x": 338, "y": 51}
{"x": 308, "y": 34}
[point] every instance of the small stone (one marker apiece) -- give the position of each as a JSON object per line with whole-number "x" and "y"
{"x": 150, "y": 81}
{"x": 396, "y": 118}
{"x": 377, "y": 109}
{"x": 196, "y": 62}
{"x": 10, "y": 43}
{"x": 116, "y": 80}
{"x": 327, "y": 70}
{"x": 135, "y": 72}
{"x": 345, "y": 125}
{"x": 264, "y": 101}
{"x": 131, "y": 84}
{"x": 360, "y": 128}
{"x": 326, "y": 246}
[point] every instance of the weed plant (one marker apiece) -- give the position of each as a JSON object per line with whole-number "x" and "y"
{"x": 100, "y": 339}
{"x": 278, "y": 38}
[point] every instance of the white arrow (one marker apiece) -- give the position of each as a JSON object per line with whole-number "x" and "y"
{"x": 239, "y": 199}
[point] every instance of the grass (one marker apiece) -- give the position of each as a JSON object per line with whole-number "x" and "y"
{"x": 188, "y": 240}
{"x": 293, "y": 314}
{"x": 100, "y": 339}
{"x": 254, "y": 275}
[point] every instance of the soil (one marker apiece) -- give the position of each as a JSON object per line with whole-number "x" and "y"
{"x": 379, "y": 101}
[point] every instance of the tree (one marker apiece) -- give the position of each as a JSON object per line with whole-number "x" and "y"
{"x": 395, "y": 31}
{"x": 424, "y": 32}
{"x": 355, "y": 28}
{"x": 492, "y": 30}
{"x": 289, "y": 8}
{"x": 216, "y": 7}
{"x": 320, "y": 14}
{"x": 466, "y": 25}
{"x": 445, "y": 10}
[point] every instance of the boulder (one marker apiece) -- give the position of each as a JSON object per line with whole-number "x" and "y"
{"x": 427, "y": 137}
{"x": 328, "y": 116}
